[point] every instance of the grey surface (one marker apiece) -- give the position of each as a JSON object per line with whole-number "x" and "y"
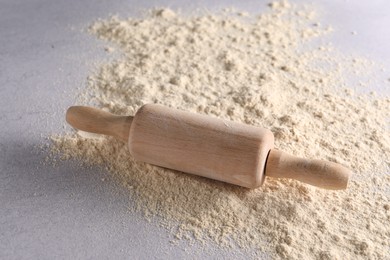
{"x": 68, "y": 212}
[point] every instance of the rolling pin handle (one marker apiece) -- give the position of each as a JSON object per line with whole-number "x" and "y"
{"x": 323, "y": 174}
{"x": 97, "y": 121}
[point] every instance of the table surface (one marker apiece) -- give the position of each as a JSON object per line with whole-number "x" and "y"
{"x": 66, "y": 212}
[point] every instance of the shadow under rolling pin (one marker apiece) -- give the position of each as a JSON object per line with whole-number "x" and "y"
{"x": 207, "y": 146}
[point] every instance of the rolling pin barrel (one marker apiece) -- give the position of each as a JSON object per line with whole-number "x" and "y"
{"x": 200, "y": 144}
{"x": 206, "y": 146}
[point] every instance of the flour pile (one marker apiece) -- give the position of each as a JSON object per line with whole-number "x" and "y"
{"x": 271, "y": 70}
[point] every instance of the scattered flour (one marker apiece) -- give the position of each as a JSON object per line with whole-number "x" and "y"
{"x": 272, "y": 70}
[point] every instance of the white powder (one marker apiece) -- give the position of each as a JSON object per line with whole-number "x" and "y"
{"x": 263, "y": 70}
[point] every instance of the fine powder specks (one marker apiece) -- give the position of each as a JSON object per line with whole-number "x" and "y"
{"x": 271, "y": 70}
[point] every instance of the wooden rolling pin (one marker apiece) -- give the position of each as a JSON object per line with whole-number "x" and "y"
{"x": 214, "y": 148}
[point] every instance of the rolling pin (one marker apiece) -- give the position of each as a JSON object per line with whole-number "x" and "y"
{"x": 207, "y": 146}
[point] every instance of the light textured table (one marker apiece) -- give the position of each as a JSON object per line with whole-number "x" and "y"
{"x": 68, "y": 212}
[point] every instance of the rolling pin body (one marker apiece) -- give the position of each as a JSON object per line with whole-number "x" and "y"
{"x": 207, "y": 146}
{"x": 199, "y": 144}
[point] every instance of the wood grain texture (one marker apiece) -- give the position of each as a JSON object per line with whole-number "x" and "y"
{"x": 211, "y": 147}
